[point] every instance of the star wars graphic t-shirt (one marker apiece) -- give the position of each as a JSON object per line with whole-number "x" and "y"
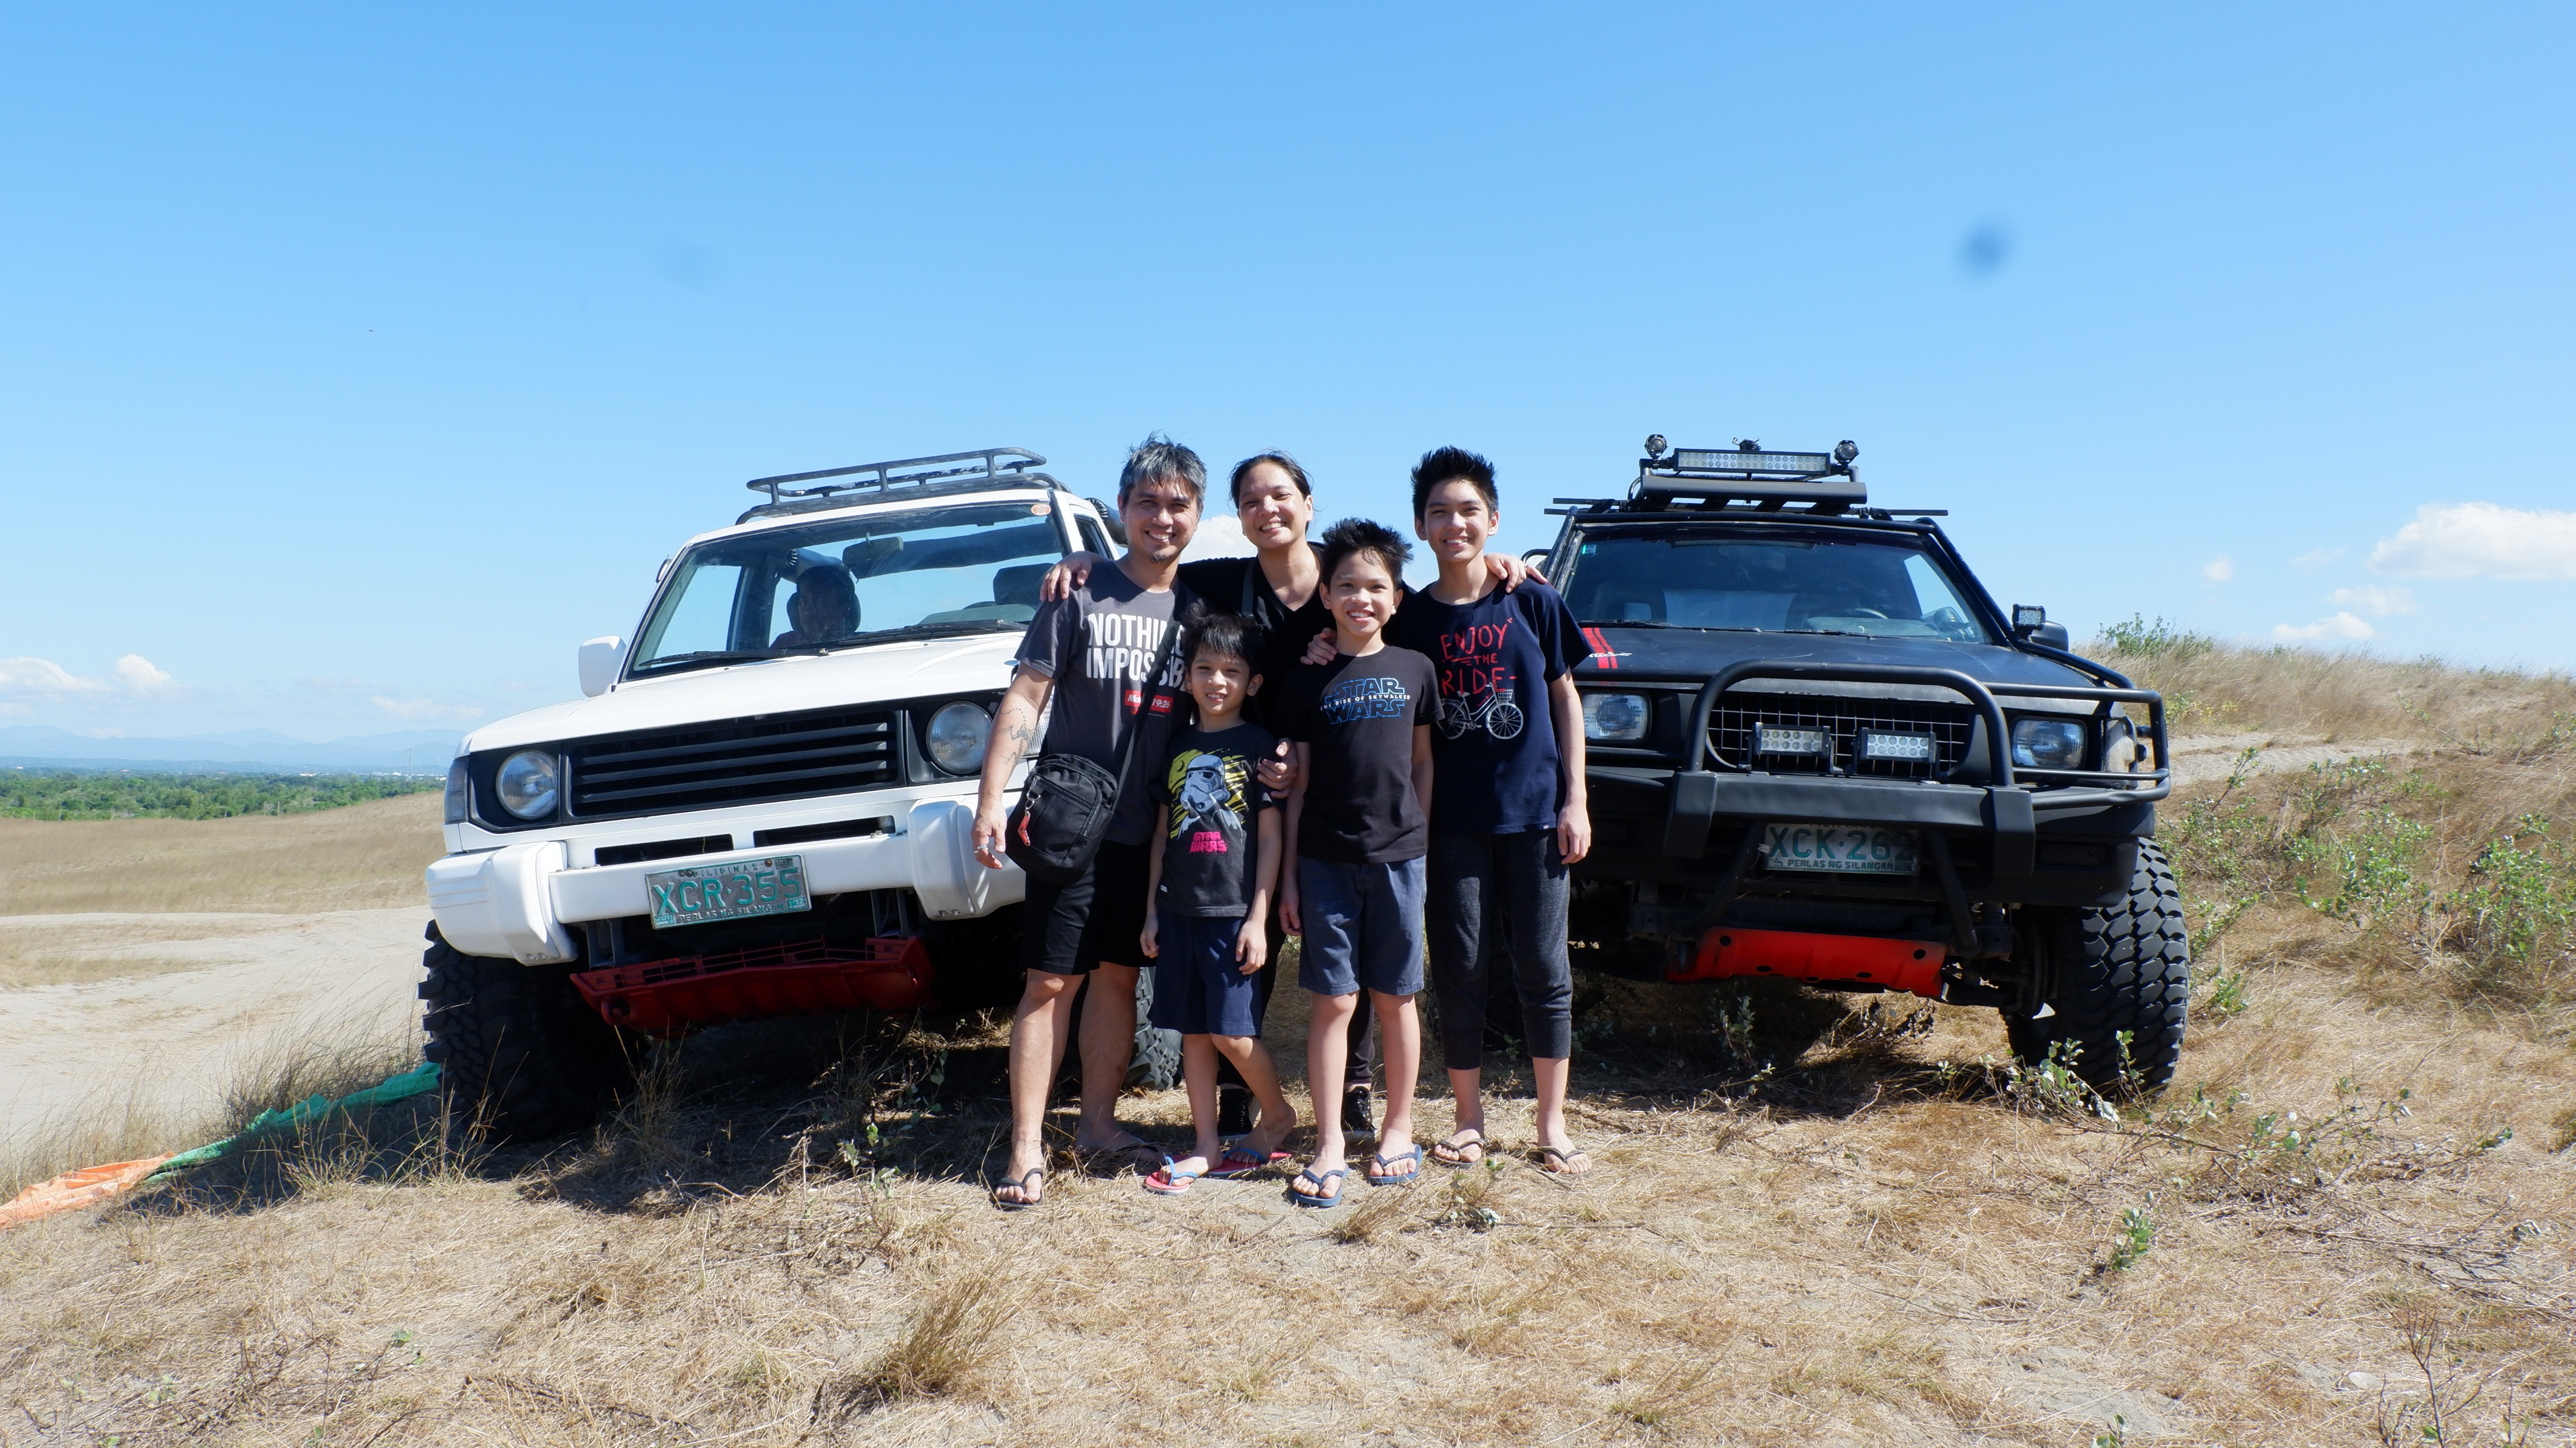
{"x": 1098, "y": 644}
{"x": 1495, "y": 744}
{"x": 1358, "y": 714}
{"x": 1212, "y": 851}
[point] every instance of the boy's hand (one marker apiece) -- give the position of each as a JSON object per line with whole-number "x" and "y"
{"x": 1321, "y": 651}
{"x": 1151, "y": 937}
{"x": 1290, "y": 922}
{"x": 1251, "y": 945}
{"x": 1065, "y": 577}
{"x": 1275, "y": 772}
{"x": 1573, "y": 833}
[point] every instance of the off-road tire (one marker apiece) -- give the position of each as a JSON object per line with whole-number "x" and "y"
{"x": 975, "y": 964}
{"x": 2114, "y": 968}
{"x": 1156, "y": 1066}
{"x": 521, "y": 1057}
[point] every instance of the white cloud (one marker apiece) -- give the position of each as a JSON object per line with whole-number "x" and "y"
{"x": 2481, "y": 540}
{"x": 2347, "y": 626}
{"x": 1220, "y": 535}
{"x": 2375, "y": 601}
{"x": 426, "y": 709}
{"x": 9, "y": 710}
{"x": 2219, "y": 569}
{"x": 2315, "y": 558}
{"x": 44, "y": 677}
{"x": 141, "y": 677}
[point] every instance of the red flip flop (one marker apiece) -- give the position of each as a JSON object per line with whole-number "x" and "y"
{"x": 1242, "y": 1161}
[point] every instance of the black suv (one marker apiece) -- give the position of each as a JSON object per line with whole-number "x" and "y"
{"x": 1819, "y": 751}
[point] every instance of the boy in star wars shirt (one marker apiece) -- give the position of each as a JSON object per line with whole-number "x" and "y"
{"x": 1215, "y": 864}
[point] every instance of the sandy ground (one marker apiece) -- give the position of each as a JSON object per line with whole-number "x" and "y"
{"x": 213, "y": 987}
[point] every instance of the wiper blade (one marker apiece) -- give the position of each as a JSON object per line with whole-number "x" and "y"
{"x": 714, "y": 656}
{"x": 1658, "y": 623}
{"x": 923, "y": 631}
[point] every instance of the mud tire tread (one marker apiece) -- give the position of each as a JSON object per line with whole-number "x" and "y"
{"x": 521, "y": 1057}
{"x": 2124, "y": 967}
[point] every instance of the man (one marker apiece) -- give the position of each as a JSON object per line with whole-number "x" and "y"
{"x": 1100, "y": 643}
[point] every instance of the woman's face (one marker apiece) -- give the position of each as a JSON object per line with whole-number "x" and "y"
{"x": 1274, "y": 514}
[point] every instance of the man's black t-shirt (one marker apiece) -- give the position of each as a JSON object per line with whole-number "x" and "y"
{"x": 1358, "y": 714}
{"x": 1237, "y": 585}
{"x": 1213, "y": 846}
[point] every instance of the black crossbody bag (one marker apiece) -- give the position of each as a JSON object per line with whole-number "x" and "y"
{"x": 1065, "y": 809}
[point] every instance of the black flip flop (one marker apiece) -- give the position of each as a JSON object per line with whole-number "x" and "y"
{"x": 1031, "y": 1195}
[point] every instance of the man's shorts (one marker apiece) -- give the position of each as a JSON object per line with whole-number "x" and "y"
{"x": 1200, "y": 989}
{"x": 1363, "y": 927}
{"x": 1068, "y": 929}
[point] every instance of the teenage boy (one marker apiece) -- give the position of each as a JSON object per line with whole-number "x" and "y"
{"x": 1360, "y": 727}
{"x": 1214, "y": 868}
{"x": 1100, "y": 644}
{"x": 1511, "y": 813}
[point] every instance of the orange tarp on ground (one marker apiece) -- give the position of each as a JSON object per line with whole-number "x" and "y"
{"x": 76, "y": 1189}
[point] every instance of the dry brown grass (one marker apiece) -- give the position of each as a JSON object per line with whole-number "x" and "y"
{"x": 365, "y": 856}
{"x": 1857, "y": 1245}
{"x": 2344, "y": 696}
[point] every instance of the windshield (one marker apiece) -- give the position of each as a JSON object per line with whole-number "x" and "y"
{"x": 853, "y": 581}
{"x": 1873, "y": 587}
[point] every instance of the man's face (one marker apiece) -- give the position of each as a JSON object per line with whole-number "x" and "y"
{"x": 1362, "y": 595}
{"x": 1161, "y": 517}
{"x": 1456, "y": 521}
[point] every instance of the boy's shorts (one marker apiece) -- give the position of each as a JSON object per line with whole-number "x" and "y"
{"x": 1363, "y": 927}
{"x": 1199, "y": 987}
{"x": 1068, "y": 929}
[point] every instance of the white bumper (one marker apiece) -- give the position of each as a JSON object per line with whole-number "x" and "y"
{"x": 518, "y": 900}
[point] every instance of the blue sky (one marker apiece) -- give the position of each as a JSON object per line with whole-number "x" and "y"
{"x": 361, "y": 362}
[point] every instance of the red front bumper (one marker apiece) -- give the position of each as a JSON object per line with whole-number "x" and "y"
{"x": 1905, "y": 965}
{"x": 662, "y": 997}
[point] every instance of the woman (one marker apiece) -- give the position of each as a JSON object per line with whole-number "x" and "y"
{"x": 1281, "y": 588}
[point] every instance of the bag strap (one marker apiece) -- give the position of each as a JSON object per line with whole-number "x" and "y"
{"x": 1181, "y": 599}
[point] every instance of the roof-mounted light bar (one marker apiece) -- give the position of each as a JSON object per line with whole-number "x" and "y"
{"x": 1000, "y": 464}
{"x": 1751, "y": 473}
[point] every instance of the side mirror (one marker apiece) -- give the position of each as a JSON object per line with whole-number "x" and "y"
{"x": 600, "y": 661}
{"x": 1537, "y": 557}
{"x": 2030, "y": 621}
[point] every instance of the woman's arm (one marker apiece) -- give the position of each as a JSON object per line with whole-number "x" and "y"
{"x": 1289, "y": 919}
{"x": 1574, "y": 822}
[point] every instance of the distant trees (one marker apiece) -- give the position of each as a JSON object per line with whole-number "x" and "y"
{"x": 98, "y": 795}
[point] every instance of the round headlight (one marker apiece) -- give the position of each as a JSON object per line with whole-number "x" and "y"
{"x": 958, "y": 733}
{"x": 526, "y": 784}
{"x": 2048, "y": 743}
{"x": 1614, "y": 716}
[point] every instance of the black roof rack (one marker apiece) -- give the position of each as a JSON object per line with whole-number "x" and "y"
{"x": 1746, "y": 473}
{"x": 996, "y": 465}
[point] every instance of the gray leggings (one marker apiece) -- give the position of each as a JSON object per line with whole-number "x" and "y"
{"x": 1489, "y": 893}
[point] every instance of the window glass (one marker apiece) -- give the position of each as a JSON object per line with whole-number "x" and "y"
{"x": 1682, "y": 579}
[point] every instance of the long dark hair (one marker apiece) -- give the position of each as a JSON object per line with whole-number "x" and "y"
{"x": 1279, "y": 460}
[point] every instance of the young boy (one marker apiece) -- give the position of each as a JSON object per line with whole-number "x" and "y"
{"x": 1512, "y": 814}
{"x": 1207, "y": 893}
{"x": 1360, "y": 727}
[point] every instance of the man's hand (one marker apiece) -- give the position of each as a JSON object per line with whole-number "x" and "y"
{"x": 1151, "y": 938}
{"x": 987, "y": 836}
{"x": 1573, "y": 832}
{"x": 1321, "y": 651}
{"x": 1251, "y": 944}
{"x": 1511, "y": 572}
{"x": 1065, "y": 577}
{"x": 1275, "y": 772}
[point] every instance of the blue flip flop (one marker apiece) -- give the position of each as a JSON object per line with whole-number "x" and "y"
{"x": 1330, "y": 1178}
{"x": 1414, "y": 1155}
{"x": 1169, "y": 1183}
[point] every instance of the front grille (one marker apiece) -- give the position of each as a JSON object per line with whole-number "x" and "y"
{"x": 1730, "y": 733}
{"x": 783, "y": 756}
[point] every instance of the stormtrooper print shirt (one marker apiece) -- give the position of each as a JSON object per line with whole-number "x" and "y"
{"x": 1495, "y": 745}
{"x": 1212, "y": 851}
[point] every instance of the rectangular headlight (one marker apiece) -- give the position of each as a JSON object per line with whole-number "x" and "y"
{"x": 1615, "y": 717}
{"x": 2048, "y": 743}
{"x": 1773, "y": 739}
{"x": 1902, "y": 748}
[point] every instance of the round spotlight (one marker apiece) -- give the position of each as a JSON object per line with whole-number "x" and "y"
{"x": 1845, "y": 451}
{"x": 1655, "y": 446}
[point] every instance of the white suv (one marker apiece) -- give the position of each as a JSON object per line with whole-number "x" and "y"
{"x": 763, "y": 805}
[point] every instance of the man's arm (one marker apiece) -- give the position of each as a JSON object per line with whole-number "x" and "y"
{"x": 1574, "y": 822}
{"x": 1288, "y": 893}
{"x": 1015, "y": 732}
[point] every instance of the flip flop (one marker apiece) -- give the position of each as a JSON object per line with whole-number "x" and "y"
{"x": 1451, "y": 1153}
{"x": 1032, "y": 1190}
{"x": 1167, "y": 1182}
{"x": 1330, "y": 1178}
{"x": 1577, "y": 1162}
{"x": 1413, "y": 1155}
{"x": 1242, "y": 1161}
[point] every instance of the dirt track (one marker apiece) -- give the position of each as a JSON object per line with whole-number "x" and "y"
{"x": 213, "y": 987}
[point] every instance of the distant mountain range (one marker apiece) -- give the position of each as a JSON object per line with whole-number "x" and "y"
{"x": 424, "y": 751}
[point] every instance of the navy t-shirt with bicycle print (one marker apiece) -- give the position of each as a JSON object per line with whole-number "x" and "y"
{"x": 1494, "y": 747}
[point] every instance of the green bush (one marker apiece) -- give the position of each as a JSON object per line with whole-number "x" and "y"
{"x": 78, "y": 795}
